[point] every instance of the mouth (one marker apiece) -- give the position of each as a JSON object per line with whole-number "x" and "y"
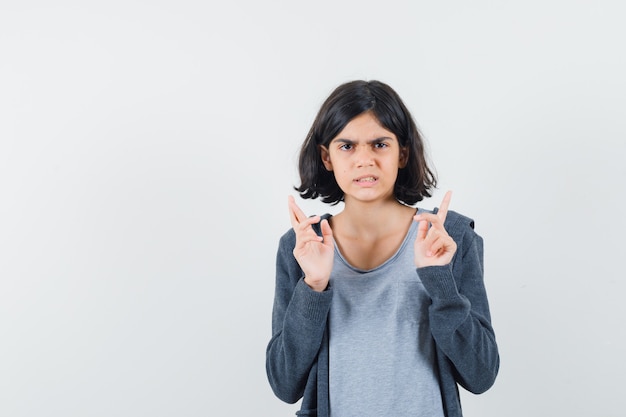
{"x": 366, "y": 179}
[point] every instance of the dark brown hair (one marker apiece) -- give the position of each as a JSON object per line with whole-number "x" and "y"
{"x": 415, "y": 181}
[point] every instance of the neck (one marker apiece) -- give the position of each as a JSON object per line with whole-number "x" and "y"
{"x": 373, "y": 218}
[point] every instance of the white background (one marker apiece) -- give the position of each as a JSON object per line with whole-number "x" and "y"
{"x": 147, "y": 149}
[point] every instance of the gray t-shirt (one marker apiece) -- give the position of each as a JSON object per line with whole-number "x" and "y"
{"x": 382, "y": 354}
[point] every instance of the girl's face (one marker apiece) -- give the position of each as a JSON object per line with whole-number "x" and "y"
{"x": 365, "y": 158}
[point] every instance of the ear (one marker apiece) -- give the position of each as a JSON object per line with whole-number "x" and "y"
{"x": 404, "y": 157}
{"x": 325, "y": 155}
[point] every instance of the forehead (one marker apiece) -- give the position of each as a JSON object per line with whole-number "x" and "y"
{"x": 364, "y": 127}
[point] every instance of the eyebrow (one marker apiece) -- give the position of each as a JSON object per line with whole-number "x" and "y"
{"x": 352, "y": 142}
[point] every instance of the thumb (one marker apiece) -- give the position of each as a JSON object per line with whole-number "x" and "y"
{"x": 422, "y": 230}
{"x": 327, "y": 232}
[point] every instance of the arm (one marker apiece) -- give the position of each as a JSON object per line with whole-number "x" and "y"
{"x": 459, "y": 313}
{"x": 298, "y": 324}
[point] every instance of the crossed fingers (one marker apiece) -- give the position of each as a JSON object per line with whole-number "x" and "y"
{"x": 314, "y": 253}
{"x": 432, "y": 238}
{"x": 301, "y": 224}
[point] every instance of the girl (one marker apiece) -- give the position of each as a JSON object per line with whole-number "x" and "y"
{"x": 379, "y": 310}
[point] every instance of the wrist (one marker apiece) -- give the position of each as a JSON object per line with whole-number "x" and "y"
{"x": 316, "y": 285}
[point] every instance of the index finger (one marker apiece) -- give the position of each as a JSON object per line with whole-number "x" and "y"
{"x": 443, "y": 209}
{"x": 295, "y": 213}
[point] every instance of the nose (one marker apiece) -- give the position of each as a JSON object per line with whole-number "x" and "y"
{"x": 364, "y": 156}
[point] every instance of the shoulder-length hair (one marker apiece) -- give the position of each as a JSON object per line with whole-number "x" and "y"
{"x": 415, "y": 181}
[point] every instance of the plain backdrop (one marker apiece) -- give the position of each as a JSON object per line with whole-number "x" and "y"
{"x": 147, "y": 149}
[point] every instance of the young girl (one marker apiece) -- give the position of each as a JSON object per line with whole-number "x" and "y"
{"x": 379, "y": 310}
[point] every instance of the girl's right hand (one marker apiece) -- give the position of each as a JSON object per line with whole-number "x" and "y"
{"x": 314, "y": 253}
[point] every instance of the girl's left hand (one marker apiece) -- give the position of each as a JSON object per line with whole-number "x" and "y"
{"x": 433, "y": 245}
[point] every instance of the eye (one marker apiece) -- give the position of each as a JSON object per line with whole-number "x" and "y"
{"x": 380, "y": 145}
{"x": 346, "y": 147}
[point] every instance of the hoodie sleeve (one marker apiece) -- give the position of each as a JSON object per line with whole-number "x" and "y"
{"x": 459, "y": 314}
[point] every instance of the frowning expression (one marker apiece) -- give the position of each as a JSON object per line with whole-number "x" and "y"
{"x": 365, "y": 158}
